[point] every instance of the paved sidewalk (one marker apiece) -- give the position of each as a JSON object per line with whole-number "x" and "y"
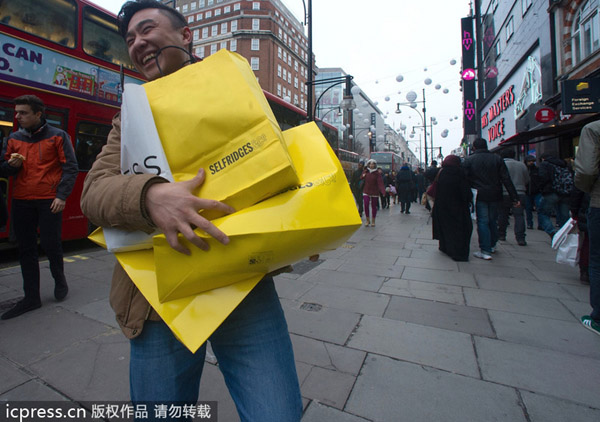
{"x": 386, "y": 328}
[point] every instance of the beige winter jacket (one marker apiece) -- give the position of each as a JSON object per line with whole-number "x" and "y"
{"x": 587, "y": 162}
{"x": 111, "y": 199}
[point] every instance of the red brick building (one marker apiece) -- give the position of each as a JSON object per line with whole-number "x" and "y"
{"x": 263, "y": 31}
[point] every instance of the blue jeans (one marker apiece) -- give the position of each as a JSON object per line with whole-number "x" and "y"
{"x": 254, "y": 352}
{"x": 487, "y": 225}
{"x": 593, "y": 223}
{"x": 553, "y": 203}
{"x": 517, "y": 213}
{"x": 530, "y": 201}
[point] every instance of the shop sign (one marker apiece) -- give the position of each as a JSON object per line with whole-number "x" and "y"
{"x": 580, "y": 96}
{"x": 545, "y": 115}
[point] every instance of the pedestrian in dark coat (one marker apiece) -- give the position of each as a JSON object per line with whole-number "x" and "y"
{"x": 451, "y": 215}
{"x": 405, "y": 185}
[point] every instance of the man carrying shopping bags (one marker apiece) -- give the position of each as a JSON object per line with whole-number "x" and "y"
{"x": 252, "y": 345}
{"x": 587, "y": 169}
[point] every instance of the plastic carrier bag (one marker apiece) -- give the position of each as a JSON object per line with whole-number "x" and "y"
{"x": 212, "y": 115}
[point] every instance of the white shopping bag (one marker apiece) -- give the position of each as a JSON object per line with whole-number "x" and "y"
{"x": 141, "y": 152}
{"x": 568, "y": 251}
{"x": 561, "y": 234}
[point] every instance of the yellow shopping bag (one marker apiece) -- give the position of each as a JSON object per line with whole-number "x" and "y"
{"x": 213, "y": 114}
{"x": 317, "y": 215}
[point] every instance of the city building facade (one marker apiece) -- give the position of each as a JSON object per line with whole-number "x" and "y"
{"x": 263, "y": 31}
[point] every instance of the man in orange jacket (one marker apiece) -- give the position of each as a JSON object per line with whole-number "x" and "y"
{"x": 43, "y": 163}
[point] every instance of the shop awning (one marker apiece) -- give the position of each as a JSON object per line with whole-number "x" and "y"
{"x": 549, "y": 132}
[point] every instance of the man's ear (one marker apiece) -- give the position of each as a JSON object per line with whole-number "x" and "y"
{"x": 186, "y": 35}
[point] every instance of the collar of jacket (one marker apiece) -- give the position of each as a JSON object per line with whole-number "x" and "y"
{"x": 35, "y": 130}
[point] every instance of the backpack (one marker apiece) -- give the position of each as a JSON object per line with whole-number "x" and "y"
{"x": 562, "y": 180}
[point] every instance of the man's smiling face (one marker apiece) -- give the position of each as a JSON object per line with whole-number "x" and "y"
{"x": 148, "y": 31}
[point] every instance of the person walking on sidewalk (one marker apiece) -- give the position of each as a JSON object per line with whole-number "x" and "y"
{"x": 556, "y": 183}
{"x": 487, "y": 173}
{"x": 451, "y": 216}
{"x": 43, "y": 163}
{"x": 587, "y": 170}
{"x": 520, "y": 178}
{"x": 371, "y": 191}
{"x": 534, "y": 195}
{"x": 253, "y": 344}
{"x": 356, "y": 186}
{"x": 405, "y": 185}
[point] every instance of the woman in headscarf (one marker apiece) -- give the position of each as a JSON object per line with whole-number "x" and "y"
{"x": 372, "y": 189}
{"x": 405, "y": 185}
{"x": 451, "y": 215}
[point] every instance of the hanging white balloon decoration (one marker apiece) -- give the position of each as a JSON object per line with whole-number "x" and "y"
{"x": 399, "y": 78}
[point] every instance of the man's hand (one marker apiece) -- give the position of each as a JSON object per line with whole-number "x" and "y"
{"x": 57, "y": 205}
{"x": 15, "y": 160}
{"x": 517, "y": 204}
{"x": 174, "y": 209}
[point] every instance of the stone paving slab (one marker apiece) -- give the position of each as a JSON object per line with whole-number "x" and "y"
{"x": 423, "y": 290}
{"x": 371, "y": 257}
{"x": 352, "y": 300}
{"x": 11, "y": 376}
{"x": 44, "y": 332}
{"x": 521, "y": 286}
{"x": 556, "y": 374}
{"x": 80, "y": 371}
{"x": 371, "y": 269}
{"x": 478, "y": 266}
{"x": 327, "y": 355}
{"x": 557, "y": 277}
{"x": 577, "y": 308}
{"x": 328, "y": 387}
{"x": 541, "y": 408}
{"x": 512, "y": 302}
{"x": 389, "y": 390}
{"x": 439, "y": 276}
{"x": 443, "y": 349}
{"x": 291, "y": 289}
{"x": 344, "y": 279}
{"x": 562, "y": 336}
{"x": 317, "y": 412}
{"x": 579, "y": 292}
{"x": 331, "y": 325}
{"x": 33, "y": 390}
{"x": 213, "y": 388}
{"x": 430, "y": 263}
{"x": 441, "y": 315}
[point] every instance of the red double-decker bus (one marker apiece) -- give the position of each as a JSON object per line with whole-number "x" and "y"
{"x": 68, "y": 53}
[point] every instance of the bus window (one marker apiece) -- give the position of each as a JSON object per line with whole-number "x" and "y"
{"x": 6, "y": 121}
{"x": 57, "y": 119}
{"x": 91, "y": 137}
{"x": 101, "y": 38}
{"x": 54, "y": 20}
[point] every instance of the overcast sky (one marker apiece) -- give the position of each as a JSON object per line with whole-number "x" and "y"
{"x": 377, "y": 40}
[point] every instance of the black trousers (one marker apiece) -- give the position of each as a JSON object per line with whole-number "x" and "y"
{"x": 27, "y": 216}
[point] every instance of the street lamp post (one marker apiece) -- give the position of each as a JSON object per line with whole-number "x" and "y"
{"x": 423, "y": 118}
{"x": 309, "y": 97}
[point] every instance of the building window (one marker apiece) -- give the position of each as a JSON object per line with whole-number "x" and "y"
{"x": 205, "y": 32}
{"x": 224, "y": 28}
{"x": 210, "y": 2}
{"x": 223, "y": 45}
{"x": 214, "y": 30}
{"x": 289, "y": 77}
{"x": 285, "y": 56}
{"x": 201, "y": 3}
{"x": 208, "y": 14}
{"x": 199, "y": 17}
{"x": 510, "y": 28}
{"x": 279, "y": 89}
{"x": 525, "y": 5}
{"x": 255, "y": 5}
{"x": 280, "y": 32}
{"x": 236, "y": 7}
{"x": 217, "y": 12}
{"x": 585, "y": 31}
{"x": 255, "y": 24}
{"x": 289, "y": 60}
{"x": 295, "y": 82}
{"x": 190, "y": 19}
{"x": 227, "y": 9}
{"x": 284, "y": 74}
{"x": 193, "y": 5}
{"x": 295, "y": 65}
{"x": 498, "y": 49}
{"x": 296, "y": 100}
{"x": 255, "y": 44}
{"x": 184, "y": 8}
{"x": 199, "y": 52}
{"x": 213, "y": 49}
{"x": 279, "y": 70}
{"x": 279, "y": 52}
{"x": 196, "y": 34}
{"x": 233, "y": 45}
{"x": 233, "y": 26}
{"x": 254, "y": 63}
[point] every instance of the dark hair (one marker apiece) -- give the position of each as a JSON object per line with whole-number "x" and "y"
{"x": 480, "y": 143}
{"x": 433, "y": 163}
{"x": 508, "y": 153}
{"x": 32, "y": 101}
{"x": 132, "y": 7}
